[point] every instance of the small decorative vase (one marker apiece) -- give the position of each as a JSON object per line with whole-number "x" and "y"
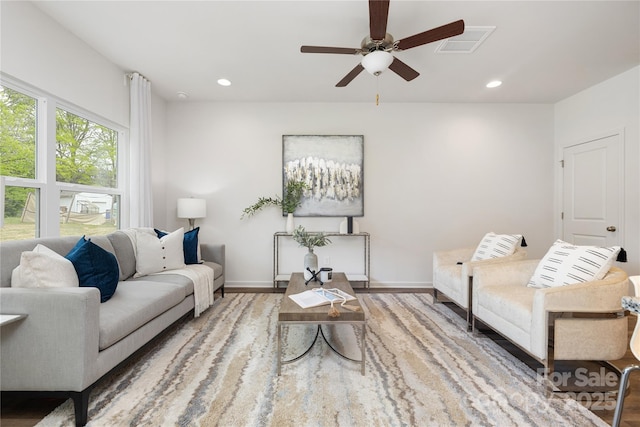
{"x": 310, "y": 261}
{"x": 343, "y": 226}
{"x": 290, "y": 227}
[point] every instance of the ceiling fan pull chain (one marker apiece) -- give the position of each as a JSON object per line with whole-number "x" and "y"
{"x": 377, "y": 90}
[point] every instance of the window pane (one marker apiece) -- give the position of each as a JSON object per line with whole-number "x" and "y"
{"x": 21, "y": 207}
{"x": 86, "y": 152}
{"x": 17, "y": 134}
{"x": 88, "y": 213}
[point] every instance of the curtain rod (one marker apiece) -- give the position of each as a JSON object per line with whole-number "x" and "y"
{"x": 129, "y": 76}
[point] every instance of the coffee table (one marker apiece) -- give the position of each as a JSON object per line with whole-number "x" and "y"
{"x": 291, "y": 313}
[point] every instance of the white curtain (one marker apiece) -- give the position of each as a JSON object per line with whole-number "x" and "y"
{"x": 140, "y": 201}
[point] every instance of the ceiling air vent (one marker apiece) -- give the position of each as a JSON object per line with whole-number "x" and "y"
{"x": 466, "y": 42}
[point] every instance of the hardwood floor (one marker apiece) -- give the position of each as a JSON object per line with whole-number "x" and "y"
{"x": 18, "y": 412}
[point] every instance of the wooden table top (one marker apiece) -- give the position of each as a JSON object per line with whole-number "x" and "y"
{"x": 292, "y": 312}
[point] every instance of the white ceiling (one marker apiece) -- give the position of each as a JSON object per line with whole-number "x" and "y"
{"x": 544, "y": 51}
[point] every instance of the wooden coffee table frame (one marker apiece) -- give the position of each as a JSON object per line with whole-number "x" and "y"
{"x": 291, "y": 313}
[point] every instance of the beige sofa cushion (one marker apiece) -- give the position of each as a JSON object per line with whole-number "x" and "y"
{"x": 512, "y": 303}
{"x": 43, "y": 268}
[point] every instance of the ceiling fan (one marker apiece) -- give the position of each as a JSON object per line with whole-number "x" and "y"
{"x": 376, "y": 47}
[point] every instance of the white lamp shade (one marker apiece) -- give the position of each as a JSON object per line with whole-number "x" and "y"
{"x": 192, "y": 208}
{"x": 377, "y": 61}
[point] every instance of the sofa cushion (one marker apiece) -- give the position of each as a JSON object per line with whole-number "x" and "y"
{"x": 217, "y": 269}
{"x": 136, "y": 303}
{"x": 124, "y": 252}
{"x": 155, "y": 254}
{"x": 96, "y": 267}
{"x": 512, "y": 303}
{"x": 43, "y": 268}
{"x": 495, "y": 245}
{"x": 565, "y": 264}
{"x": 175, "y": 279}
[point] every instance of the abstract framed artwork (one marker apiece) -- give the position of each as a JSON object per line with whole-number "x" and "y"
{"x": 332, "y": 166}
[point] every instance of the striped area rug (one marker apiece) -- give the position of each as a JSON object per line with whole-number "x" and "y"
{"x": 422, "y": 369}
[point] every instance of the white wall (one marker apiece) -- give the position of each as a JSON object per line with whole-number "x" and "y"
{"x": 609, "y": 106}
{"x": 437, "y": 176}
{"x": 38, "y": 51}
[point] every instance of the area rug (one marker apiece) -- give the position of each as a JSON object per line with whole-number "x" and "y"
{"x": 422, "y": 369}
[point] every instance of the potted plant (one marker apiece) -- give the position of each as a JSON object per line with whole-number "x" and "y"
{"x": 310, "y": 241}
{"x": 289, "y": 203}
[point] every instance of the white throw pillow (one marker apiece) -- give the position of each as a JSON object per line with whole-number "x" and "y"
{"x": 154, "y": 255}
{"x": 44, "y": 268}
{"x": 495, "y": 245}
{"x": 566, "y": 264}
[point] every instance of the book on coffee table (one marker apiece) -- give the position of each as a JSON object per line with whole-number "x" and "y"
{"x": 320, "y": 296}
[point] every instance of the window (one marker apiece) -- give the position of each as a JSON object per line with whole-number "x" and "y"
{"x": 17, "y": 134}
{"x": 86, "y": 152}
{"x": 18, "y": 143}
{"x": 80, "y": 192}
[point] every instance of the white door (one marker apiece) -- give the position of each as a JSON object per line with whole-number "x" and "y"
{"x": 593, "y": 192}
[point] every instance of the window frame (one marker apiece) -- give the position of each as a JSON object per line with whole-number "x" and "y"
{"x": 48, "y": 224}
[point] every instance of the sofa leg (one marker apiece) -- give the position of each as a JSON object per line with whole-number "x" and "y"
{"x": 81, "y": 406}
{"x": 435, "y": 295}
{"x": 222, "y": 290}
{"x": 474, "y": 330}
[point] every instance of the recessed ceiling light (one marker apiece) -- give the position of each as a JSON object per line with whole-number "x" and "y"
{"x": 224, "y": 82}
{"x": 494, "y": 83}
{"x": 183, "y": 95}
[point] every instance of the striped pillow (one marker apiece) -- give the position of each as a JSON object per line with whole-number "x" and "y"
{"x": 566, "y": 264}
{"x": 496, "y": 245}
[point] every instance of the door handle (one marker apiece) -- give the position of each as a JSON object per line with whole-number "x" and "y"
{"x": 611, "y": 228}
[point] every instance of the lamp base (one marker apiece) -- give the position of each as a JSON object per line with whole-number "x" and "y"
{"x": 192, "y": 223}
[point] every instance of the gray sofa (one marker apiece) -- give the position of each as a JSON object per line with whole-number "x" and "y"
{"x": 69, "y": 340}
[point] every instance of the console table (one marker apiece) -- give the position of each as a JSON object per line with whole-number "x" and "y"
{"x": 366, "y": 248}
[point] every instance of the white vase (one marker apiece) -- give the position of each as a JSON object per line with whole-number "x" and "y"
{"x": 343, "y": 226}
{"x": 290, "y": 226}
{"x": 310, "y": 261}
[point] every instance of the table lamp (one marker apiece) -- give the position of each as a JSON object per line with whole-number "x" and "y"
{"x": 191, "y": 209}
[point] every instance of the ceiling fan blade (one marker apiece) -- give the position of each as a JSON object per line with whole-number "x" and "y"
{"x": 403, "y": 70}
{"x": 433, "y": 35}
{"x": 378, "y": 14}
{"x": 352, "y": 75}
{"x": 325, "y": 49}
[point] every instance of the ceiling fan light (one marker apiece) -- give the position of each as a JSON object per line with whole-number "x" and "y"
{"x": 377, "y": 61}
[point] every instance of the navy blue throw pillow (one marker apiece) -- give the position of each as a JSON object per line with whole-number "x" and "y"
{"x": 96, "y": 267}
{"x": 189, "y": 244}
